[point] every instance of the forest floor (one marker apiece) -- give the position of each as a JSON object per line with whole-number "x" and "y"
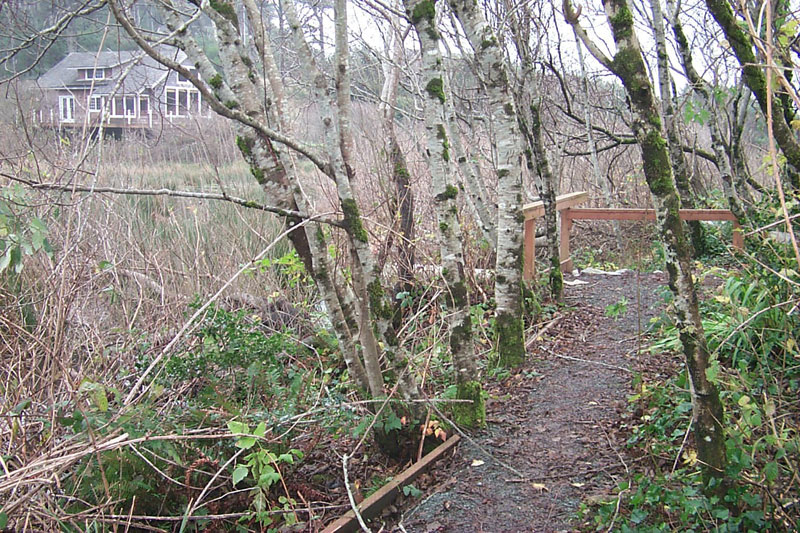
{"x": 556, "y": 430}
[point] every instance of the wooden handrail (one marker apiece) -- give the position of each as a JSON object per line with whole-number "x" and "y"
{"x": 568, "y": 215}
{"x": 566, "y": 206}
{"x": 533, "y": 211}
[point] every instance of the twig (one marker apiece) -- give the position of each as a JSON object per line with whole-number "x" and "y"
{"x": 476, "y": 445}
{"x": 171, "y": 193}
{"x": 683, "y": 443}
{"x": 353, "y": 504}
{"x": 570, "y": 358}
{"x": 542, "y": 331}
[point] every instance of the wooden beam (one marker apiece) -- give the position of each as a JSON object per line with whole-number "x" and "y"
{"x": 564, "y": 201}
{"x": 529, "y": 249}
{"x": 563, "y": 246}
{"x": 373, "y": 505}
{"x": 585, "y": 213}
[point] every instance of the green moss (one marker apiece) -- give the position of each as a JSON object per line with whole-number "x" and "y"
{"x": 556, "y": 279}
{"x": 352, "y": 220}
{"x": 470, "y": 415}
{"x": 508, "y": 109}
{"x": 380, "y": 308}
{"x": 258, "y": 174}
{"x": 216, "y": 81}
{"x": 442, "y": 135}
{"x": 503, "y": 172}
{"x": 510, "y": 340}
{"x": 622, "y": 21}
{"x": 247, "y": 61}
{"x": 443, "y": 227}
{"x": 225, "y": 9}
{"x": 486, "y": 43}
{"x": 450, "y": 193}
{"x": 435, "y": 88}
{"x": 458, "y": 293}
{"x": 245, "y": 145}
{"x": 425, "y": 10}
{"x": 231, "y": 104}
{"x": 657, "y": 168}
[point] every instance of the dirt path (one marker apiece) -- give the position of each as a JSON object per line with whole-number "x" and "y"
{"x": 555, "y": 422}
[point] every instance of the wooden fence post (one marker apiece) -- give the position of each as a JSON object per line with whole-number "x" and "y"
{"x": 563, "y": 251}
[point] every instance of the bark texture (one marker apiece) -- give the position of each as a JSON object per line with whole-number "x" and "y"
{"x": 628, "y": 65}
{"x": 508, "y": 268}
{"x": 437, "y": 150}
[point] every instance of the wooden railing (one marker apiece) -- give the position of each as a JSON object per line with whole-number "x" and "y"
{"x": 565, "y": 205}
{"x": 532, "y": 212}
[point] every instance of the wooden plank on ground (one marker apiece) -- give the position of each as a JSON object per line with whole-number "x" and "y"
{"x": 373, "y": 505}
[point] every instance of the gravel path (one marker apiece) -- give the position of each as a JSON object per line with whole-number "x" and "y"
{"x": 555, "y": 424}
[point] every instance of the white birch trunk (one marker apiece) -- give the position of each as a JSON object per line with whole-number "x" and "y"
{"x": 509, "y": 153}
{"x": 446, "y": 205}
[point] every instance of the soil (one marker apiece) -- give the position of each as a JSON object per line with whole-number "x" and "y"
{"x": 555, "y": 435}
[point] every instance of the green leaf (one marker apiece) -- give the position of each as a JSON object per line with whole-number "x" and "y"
{"x": 21, "y": 406}
{"x": 392, "y": 422}
{"x": 712, "y": 372}
{"x": 239, "y": 473}
{"x": 261, "y": 430}
{"x": 286, "y": 458}
{"x": 246, "y": 443}
{"x": 3, "y": 520}
{"x": 411, "y": 490}
{"x": 771, "y": 471}
{"x": 267, "y": 479}
{"x": 238, "y": 427}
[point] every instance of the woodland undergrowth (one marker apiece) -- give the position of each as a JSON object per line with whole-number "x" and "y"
{"x": 751, "y": 319}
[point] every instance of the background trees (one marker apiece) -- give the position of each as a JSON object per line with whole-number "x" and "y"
{"x": 387, "y": 141}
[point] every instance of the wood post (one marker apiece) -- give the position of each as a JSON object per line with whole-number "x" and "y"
{"x": 563, "y": 248}
{"x": 532, "y": 212}
{"x": 529, "y": 249}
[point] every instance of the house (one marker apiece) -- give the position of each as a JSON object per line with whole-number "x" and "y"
{"x": 121, "y": 89}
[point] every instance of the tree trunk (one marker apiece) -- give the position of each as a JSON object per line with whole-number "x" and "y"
{"x": 676, "y": 155}
{"x": 628, "y": 65}
{"x": 756, "y": 80}
{"x": 537, "y": 160}
{"x": 423, "y": 16}
{"x": 510, "y": 219}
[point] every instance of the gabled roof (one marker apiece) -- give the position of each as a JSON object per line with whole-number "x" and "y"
{"x": 145, "y": 72}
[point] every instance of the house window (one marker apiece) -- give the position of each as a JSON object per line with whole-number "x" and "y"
{"x": 94, "y": 74}
{"x": 96, "y": 103}
{"x": 182, "y": 102}
{"x": 144, "y": 105}
{"x": 66, "y": 108}
{"x": 117, "y": 106}
{"x": 172, "y": 102}
{"x": 130, "y": 106}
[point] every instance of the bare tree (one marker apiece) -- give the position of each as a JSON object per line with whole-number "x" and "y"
{"x": 629, "y": 66}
